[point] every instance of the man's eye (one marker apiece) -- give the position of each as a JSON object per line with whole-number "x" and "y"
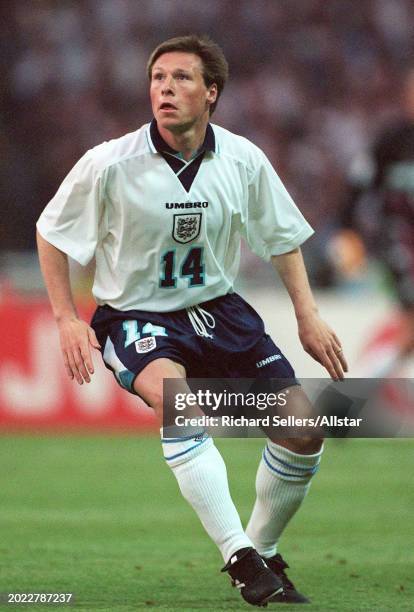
{"x": 182, "y": 77}
{"x": 157, "y": 77}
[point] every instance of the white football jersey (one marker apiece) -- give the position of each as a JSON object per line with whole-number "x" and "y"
{"x": 165, "y": 232}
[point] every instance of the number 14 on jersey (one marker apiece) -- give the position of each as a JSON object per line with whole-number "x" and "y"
{"x": 191, "y": 267}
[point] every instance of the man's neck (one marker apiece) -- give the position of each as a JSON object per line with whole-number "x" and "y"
{"x": 187, "y": 141}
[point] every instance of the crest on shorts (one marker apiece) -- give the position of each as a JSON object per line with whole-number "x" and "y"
{"x": 186, "y": 227}
{"x": 145, "y": 344}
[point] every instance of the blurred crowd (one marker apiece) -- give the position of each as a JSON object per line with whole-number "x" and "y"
{"x": 311, "y": 82}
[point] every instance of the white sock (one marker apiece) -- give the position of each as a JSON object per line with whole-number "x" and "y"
{"x": 202, "y": 477}
{"x": 282, "y": 481}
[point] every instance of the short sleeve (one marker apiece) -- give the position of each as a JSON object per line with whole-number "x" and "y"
{"x": 274, "y": 225}
{"x": 71, "y": 219}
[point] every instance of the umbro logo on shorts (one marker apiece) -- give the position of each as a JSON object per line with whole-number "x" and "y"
{"x": 145, "y": 344}
{"x": 265, "y": 362}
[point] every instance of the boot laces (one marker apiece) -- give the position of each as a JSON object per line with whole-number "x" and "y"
{"x": 247, "y": 568}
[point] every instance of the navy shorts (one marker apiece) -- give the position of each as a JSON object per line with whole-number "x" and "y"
{"x": 238, "y": 348}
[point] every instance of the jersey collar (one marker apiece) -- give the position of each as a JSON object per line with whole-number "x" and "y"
{"x": 158, "y": 144}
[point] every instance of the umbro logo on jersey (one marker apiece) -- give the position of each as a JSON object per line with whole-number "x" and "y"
{"x": 186, "y": 205}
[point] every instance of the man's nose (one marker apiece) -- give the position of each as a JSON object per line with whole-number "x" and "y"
{"x": 168, "y": 86}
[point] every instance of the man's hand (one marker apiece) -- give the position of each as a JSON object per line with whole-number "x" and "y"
{"x": 322, "y": 344}
{"x": 317, "y": 338}
{"x": 76, "y": 339}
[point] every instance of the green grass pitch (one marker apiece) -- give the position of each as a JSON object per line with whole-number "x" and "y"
{"x": 102, "y": 517}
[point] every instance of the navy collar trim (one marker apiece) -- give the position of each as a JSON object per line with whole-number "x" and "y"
{"x": 161, "y": 146}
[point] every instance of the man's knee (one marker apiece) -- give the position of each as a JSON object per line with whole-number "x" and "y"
{"x": 155, "y": 400}
{"x": 302, "y": 446}
{"x": 149, "y": 384}
{"x": 311, "y": 440}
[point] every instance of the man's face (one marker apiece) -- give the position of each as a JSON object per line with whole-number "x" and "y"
{"x": 179, "y": 96}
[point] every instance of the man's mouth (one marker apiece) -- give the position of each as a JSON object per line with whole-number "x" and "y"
{"x": 167, "y": 106}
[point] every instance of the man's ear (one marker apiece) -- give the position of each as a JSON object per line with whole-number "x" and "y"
{"x": 212, "y": 92}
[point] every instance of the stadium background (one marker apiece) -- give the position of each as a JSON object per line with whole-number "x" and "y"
{"x": 312, "y": 83}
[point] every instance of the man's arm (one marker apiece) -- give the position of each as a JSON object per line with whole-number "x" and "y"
{"x": 316, "y": 337}
{"x": 76, "y": 337}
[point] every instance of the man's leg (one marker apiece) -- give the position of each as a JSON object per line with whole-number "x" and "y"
{"x": 202, "y": 478}
{"x": 283, "y": 480}
{"x": 197, "y": 466}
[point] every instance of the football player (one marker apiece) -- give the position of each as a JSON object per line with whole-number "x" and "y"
{"x": 163, "y": 210}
